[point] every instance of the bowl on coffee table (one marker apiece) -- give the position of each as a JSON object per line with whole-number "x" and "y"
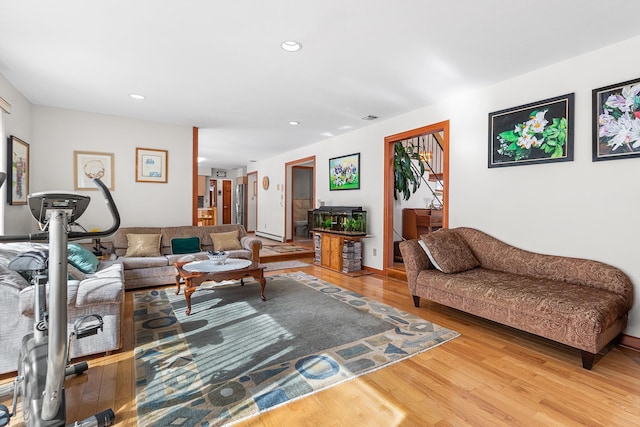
{"x": 219, "y": 257}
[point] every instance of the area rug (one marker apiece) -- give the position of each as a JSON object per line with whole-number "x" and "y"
{"x": 284, "y": 248}
{"x": 236, "y": 355}
{"x": 270, "y": 266}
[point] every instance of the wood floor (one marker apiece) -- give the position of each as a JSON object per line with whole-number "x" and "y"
{"x": 489, "y": 376}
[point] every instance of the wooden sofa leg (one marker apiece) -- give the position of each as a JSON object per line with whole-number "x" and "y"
{"x": 416, "y": 301}
{"x": 587, "y": 359}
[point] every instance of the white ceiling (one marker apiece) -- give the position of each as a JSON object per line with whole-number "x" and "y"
{"x": 218, "y": 65}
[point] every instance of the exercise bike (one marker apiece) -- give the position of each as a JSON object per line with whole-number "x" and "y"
{"x": 44, "y": 355}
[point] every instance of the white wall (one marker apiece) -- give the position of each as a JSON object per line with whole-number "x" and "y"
{"x": 18, "y": 123}
{"x": 581, "y": 208}
{"x": 57, "y": 133}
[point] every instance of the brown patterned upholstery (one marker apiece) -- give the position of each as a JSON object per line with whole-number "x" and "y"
{"x": 448, "y": 251}
{"x": 578, "y": 302}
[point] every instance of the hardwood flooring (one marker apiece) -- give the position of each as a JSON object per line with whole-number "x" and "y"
{"x": 489, "y": 376}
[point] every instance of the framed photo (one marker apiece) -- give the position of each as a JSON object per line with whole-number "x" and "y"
{"x": 17, "y": 171}
{"x": 89, "y": 165}
{"x": 151, "y": 165}
{"x": 616, "y": 121}
{"x": 344, "y": 172}
{"x": 540, "y": 132}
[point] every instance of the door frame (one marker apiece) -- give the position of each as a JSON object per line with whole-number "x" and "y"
{"x": 254, "y": 192}
{"x": 389, "y": 142}
{"x": 288, "y": 194}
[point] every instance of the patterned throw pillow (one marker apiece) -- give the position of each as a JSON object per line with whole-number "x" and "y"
{"x": 448, "y": 252}
{"x": 225, "y": 241}
{"x": 143, "y": 245}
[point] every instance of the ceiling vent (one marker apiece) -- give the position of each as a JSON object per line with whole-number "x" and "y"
{"x": 370, "y": 117}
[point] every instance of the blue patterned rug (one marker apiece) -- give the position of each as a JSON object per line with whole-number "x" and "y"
{"x": 236, "y": 356}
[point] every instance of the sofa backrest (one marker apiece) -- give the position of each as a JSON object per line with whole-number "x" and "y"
{"x": 494, "y": 254}
{"x": 120, "y": 241}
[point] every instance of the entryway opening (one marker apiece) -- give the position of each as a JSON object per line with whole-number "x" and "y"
{"x": 426, "y": 209}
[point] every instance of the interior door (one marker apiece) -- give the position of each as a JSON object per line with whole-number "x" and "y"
{"x": 226, "y": 201}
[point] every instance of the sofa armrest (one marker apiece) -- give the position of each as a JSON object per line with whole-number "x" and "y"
{"x": 253, "y": 244}
{"x": 415, "y": 260}
{"x": 100, "y": 291}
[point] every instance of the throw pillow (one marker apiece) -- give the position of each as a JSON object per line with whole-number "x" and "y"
{"x": 426, "y": 250}
{"x": 225, "y": 241}
{"x": 82, "y": 258}
{"x": 185, "y": 245}
{"x": 449, "y": 252}
{"x": 143, "y": 245}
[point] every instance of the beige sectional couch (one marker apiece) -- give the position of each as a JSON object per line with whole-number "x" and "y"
{"x": 146, "y": 271}
{"x": 577, "y": 302}
{"x": 99, "y": 293}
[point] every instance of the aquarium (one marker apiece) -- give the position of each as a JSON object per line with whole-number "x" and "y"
{"x": 348, "y": 220}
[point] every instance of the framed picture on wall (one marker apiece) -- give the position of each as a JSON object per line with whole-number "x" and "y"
{"x": 540, "y": 132}
{"x": 151, "y": 165}
{"x": 616, "y": 121}
{"x": 17, "y": 171}
{"x": 89, "y": 165}
{"x": 344, "y": 172}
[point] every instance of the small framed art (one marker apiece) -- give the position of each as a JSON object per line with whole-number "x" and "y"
{"x": 151, "y": 165}
{"x": 89, "y": 165}
{"x": 344, "y": 172}
{"x": 17, "y": 171}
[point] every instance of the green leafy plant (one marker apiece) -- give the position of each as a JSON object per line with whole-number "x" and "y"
{"x": 408, "y": 170}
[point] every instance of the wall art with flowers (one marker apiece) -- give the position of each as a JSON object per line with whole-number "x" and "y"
{"x": 616, "y": 121}
{"x": 540, "y": 132}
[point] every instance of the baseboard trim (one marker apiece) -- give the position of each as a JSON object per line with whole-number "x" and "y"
{"x": 631, "y": 342}
{"x": 270, "y": 236}
{"x": 373, "y": 270}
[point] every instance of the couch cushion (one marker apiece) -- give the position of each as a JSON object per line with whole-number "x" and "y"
{"x": 188, "y": 257}
{"x": 185, "y": 245}
{"x": 82, "y": 258}
{"x": 134, "y": 263}
{"x": 143, "y": 245}
{"x": 448, "y": 252}
{"x": 225, "y": 241}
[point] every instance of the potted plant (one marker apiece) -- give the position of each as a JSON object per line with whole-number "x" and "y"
{"x": 408, "y": 175}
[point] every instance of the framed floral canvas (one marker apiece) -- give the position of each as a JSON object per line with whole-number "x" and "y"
{"x": 616, "y": 121}
{"x": 540, "y": 132}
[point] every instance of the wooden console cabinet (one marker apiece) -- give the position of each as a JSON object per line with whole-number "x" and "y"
{"x": 416, "y": 222}
{"x": 341, "y": 253}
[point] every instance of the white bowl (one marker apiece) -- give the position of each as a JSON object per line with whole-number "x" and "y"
{"x": 218, "y": 258}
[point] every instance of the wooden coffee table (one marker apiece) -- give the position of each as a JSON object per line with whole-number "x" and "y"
{"x": 193, "y": 279}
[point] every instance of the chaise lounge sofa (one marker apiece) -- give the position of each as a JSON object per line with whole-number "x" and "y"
{"x": 150, "y": 262}
{"x": 577, "y": 302}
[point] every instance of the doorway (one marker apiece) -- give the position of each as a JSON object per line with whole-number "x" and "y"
{"x": 252, "y": 201}
{"x": 441, "y": 128}
{"x": 300, "y": 177}
{"x": 226, "y": 201}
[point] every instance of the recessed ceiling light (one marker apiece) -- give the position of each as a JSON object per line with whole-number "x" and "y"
{"x": 294, "y": 123}
{"x": 136, "y": 96}
{"x": 291, "y": 45}
{"x": 370, "y": 117}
